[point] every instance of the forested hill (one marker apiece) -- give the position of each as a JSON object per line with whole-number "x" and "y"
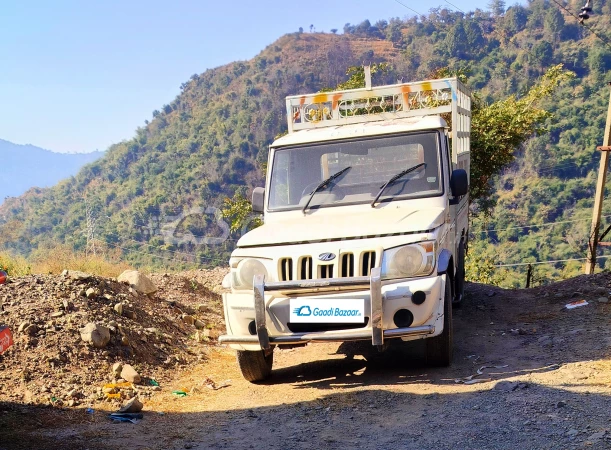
{"x": 27, "y": 166}
{"x": 211, "y": 141}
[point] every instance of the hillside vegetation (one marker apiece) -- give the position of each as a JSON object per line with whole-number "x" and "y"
{"x": 154, "y": 195}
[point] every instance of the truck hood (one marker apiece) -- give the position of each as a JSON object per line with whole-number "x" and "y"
{"x": 373, "y": 223}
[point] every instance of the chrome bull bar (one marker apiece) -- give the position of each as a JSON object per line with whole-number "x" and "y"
{"x": 377, "y": 333}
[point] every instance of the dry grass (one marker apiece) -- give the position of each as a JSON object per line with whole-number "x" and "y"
{"x": 14, "y": 265}
{"x": 55, "y": 260}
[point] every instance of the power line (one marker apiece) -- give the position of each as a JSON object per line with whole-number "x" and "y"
{"x": 540, "y": 262}
{"x": 549, "y": 262}
{"x": 549, "y": 169}
{"x": 511, "y": 40}
{"x": 603, "y": 39}
{"x": 452, "y": 4}
{"x": 178, "y": 252}
{"x": 558, "y": 167}
{"x": 411, "y": 9}
{"x": 141, "y": 252}
{"x": 537, "y": 225}
{"x": 162, "y": 257}
{"x": 165, "y": 250}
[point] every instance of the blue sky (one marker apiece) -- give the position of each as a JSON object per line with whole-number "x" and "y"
{"x": 79, "y": 76}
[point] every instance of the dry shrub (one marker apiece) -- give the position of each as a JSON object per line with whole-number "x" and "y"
{"x": 14, "y": 265}
{"x": 55, "y": 260}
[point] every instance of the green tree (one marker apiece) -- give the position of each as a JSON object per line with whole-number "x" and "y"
{"x": 543, "y": 52}
{"x": 393, "y": 31}
{"x": 363, "y": 28}
{"x": 475, "y": 37}
{"x": 554, "y": 23}
{"x": 457, "y": 41}
{"x": 499, "y": 129}
{"x": 356, "y": 77}
{"x": 480, "y": 269}
{"x": 496, "y": 7}
{"x": 515, "y": 19}
{"x": 599, "y": 61}
{"x": 238, "y": 210}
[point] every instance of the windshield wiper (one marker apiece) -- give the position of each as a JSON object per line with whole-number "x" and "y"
{"x": 393, "y": 179}
{"x": 323, "y": 185}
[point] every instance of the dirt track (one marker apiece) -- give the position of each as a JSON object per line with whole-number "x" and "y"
{"x": 554, "y": 392}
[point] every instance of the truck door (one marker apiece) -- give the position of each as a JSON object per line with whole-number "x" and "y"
{"x": 452, "y": 209}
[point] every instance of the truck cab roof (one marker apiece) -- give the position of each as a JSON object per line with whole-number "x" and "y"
{"x": 359, "y": 130}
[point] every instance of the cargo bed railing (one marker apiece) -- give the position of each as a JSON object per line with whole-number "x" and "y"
{"x": 421, "y": 98}
{"x": 376, "y": 334}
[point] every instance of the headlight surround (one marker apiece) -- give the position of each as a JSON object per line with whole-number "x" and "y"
{"x": 413, "y": 260}
{"x": 246, "y": 271}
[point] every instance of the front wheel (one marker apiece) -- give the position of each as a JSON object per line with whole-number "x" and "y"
{"x": 440, "y": 349}
{"x": 255, "y": 365}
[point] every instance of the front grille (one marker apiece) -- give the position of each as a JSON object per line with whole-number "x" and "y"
{"x": 347, "y": 265}
{"x": 325, "y": 271}
{"x": 305, "y": 268}
{"x": 368, "y": 262}
{"x": 286, "y": 269}
{"x": 350, "y": 264}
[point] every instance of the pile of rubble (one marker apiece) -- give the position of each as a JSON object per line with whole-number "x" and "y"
{"x": 81, "y": 339}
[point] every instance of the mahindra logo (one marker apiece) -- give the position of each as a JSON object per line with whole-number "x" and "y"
{"x": 326, "y": 256}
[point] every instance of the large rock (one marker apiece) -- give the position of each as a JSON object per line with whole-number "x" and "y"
{"x": 189, "y": 320}
{"x": 138, "y": 281}
{"x": 76, "y": 275}
{"x": 132, "y": 406}
{"x": 31, "y": 329}
{"x": 117, "y": 368}
{"x": 96, "y": 334}
{"x": 128, "y": 373}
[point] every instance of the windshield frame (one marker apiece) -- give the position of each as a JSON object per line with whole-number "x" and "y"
{"x": 383, "y": 199}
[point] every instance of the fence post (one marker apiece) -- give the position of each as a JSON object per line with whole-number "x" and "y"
{"x": 529, "y": 275}
{"x": 600, "y": 194}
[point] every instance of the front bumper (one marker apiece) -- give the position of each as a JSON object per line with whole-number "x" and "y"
{"x": 271, "y": 302}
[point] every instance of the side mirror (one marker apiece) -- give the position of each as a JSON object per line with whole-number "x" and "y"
{"x": 459, "y": 182}
{"x": 258, "y": 199}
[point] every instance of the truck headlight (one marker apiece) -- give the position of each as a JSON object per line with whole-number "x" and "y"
{"x": 409, "y": 260}
{"x": 246, "y": 270}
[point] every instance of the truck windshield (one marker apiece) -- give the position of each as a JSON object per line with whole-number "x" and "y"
{"x": 298, "y": 170}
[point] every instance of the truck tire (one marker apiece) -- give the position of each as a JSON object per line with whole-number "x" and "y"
{"x": 255, "y": 365}
{"x": 440, "y": 349}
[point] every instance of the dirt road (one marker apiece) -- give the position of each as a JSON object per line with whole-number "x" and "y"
{"x": 550, "y": 389}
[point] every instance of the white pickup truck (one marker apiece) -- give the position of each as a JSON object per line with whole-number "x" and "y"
{"x": 365, "y": 225}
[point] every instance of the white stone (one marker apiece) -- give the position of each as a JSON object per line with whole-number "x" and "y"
{"x": 132, "y": 406}
{"x": 138, "y": 281}
{"x": 96, "y": 334}
{"x": 128, "y": 373}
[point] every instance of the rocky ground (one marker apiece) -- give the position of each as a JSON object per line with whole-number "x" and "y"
{"x": 527, "y": 373}
{"x": 69, "y": 330}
